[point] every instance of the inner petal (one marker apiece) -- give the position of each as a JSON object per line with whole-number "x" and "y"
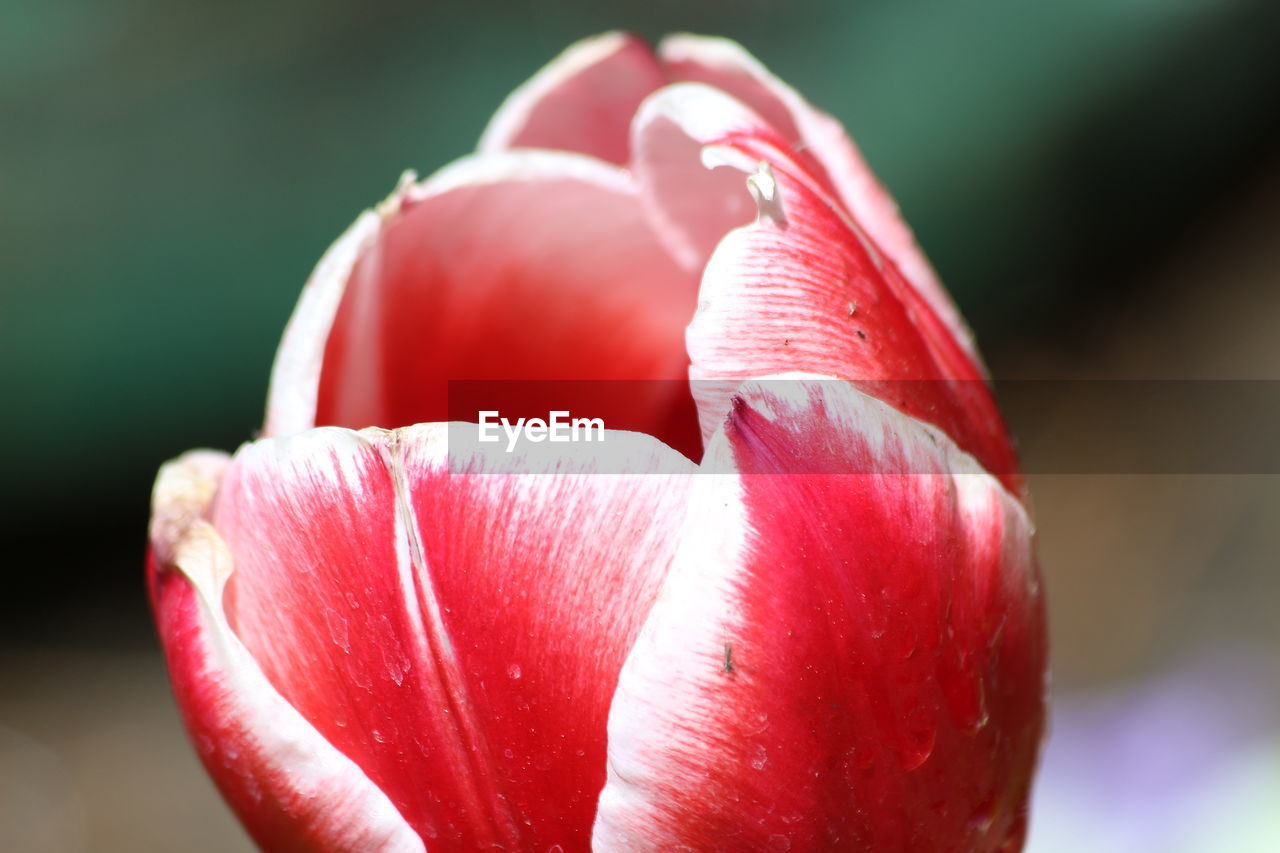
{"x": 582, "y": 100}
{"x": 530, "y": 280}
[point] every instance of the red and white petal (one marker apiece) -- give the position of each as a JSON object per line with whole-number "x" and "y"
{"x": 724, "y": 64}
{"x": 500, "y": 269}
{"x": 803, "y": 288}
{"x": 693, "y": 199}
{"x": 507, "y": 268}
{"x": 453, "y": 620}
{"x": 848, "y": 653}
{"x": 581, "y": 101}
{"x": 290, "y": 787}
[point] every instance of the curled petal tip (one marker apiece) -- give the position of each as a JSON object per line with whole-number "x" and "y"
{"x": 764, "y": 189}
{"x": 180, "y": 498}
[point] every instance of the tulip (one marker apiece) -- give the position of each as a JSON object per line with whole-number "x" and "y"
{"x": 832, "y": 638}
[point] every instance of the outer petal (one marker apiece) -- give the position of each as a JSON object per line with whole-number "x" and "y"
{"x": 804, "y": 288}
{"x": 725, "y": 65}
{"x": 838, "y": 661}
{"x": 290, "y": 787}
{"x": 453, "y": 623}
{"x": 582, "y": 101}
{"x": 514, "y": 266}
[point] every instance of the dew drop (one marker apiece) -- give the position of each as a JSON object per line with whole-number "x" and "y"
{"x": 962, "y": 685}
{"x": 338, "y": 630}
{"x": 916, "y": 739}
{"x": 760, "y": 757}
{"x": 984, "y": 815}
{"x": 779, "y": 843}
{"x": 513, "y": 671}
{"x": 396, "y": 663}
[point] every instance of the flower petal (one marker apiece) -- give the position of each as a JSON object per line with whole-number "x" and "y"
{"x": 582, "y": 100}
{"x": 290, "y": 787}
{"x": 837, "y": 660}
{"x": 803, "y": 288}
{"x": 453, "y": 621}
{"x": 692, "y": 201}
{"x": 724, "y": 64}
{"x": 516, "y": 266}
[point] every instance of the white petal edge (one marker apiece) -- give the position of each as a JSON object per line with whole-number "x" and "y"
{"x": 700, "y": 113}
{"x": 868, "y": 201}
{"x": 683, "y": 636}
{"x": 334, "y": 802}
{"x": 704, "y": 113}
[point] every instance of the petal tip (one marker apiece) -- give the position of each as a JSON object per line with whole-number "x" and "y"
{"x": 183, "y": 491}
{"x": 517, "y": 114}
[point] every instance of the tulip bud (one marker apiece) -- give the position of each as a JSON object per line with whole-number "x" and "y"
{"x": 782, "y": 596}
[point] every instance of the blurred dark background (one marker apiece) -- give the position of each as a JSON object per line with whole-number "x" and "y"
{"x": 1098, "y": 182}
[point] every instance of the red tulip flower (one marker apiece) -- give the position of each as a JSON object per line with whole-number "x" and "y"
{"x": 790, "y": 602}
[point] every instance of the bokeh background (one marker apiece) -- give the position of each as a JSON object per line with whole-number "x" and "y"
{"x": 1098, "y": 182}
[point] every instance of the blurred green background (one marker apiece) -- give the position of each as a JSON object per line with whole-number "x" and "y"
{"x": 1097, "y": 181}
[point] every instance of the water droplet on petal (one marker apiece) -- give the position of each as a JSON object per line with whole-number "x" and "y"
{"x": 513, "y": 671}
{"x": 916, "y": 740}
{"x": 396, "y": 663}
{"x": 338, "y": 630}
